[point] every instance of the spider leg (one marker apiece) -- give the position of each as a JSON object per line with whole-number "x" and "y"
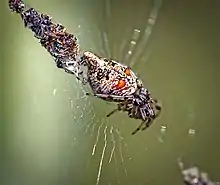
{"x": 158, "y": 107}
{"x": 112, "y": 112}
{"x": 147, "y": 124}
{"x": 156, "y": 104}
{"x": 121, "y": 106}
{"x": 107, "y": 96}
{"x": 139, "y": 127}
{"x": 154, "y": 100}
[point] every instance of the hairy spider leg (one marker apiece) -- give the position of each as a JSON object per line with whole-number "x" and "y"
{"x": 156, "y": 104}
{"x": 158, "y": 107}
{"x": 121, "y": 106}
{"x": 112, "y": 112}
{"x": 146, "y": 122}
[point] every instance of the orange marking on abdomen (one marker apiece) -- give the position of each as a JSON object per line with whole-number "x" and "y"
{"x": 121, "y": 84}
{"x": 128, "y": 72}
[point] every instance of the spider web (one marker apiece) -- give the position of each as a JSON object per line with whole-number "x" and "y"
{"x": 107, "y": 142}
{"x": 103, "y": 149}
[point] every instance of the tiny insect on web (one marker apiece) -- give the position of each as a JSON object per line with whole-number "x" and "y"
{"x": 108, "y": 79}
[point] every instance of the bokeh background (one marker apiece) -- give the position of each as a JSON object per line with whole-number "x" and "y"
{"x": 52, "y": 134}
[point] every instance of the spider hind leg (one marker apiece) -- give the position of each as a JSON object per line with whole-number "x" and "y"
{"x": 121, "y": 106}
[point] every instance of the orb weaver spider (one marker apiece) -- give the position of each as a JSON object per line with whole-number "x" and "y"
{"x": 115, "y": 82}
{"x": 108, "y": 79}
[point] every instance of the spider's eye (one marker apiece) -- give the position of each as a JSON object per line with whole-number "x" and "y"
{"x": 121, "y": 84}
{"x": 128, "y": 72}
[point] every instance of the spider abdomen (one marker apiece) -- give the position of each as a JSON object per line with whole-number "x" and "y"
{"x": 109, "y": 77}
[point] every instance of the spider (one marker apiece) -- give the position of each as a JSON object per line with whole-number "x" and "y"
{"x": 108, "y": 79}
{"x": 115, "y": 82}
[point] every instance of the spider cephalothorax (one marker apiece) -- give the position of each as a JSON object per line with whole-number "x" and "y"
{"x": 113, "y": 81}
{"x": 140, "y": 106}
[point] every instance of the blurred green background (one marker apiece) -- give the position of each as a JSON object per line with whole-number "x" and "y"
{"x": 52, "y": 134}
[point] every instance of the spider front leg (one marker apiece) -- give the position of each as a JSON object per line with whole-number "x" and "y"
{"x": 156, "y": 104}
{"x": 146, "y": 122}
{"x": 158, "y": 109}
